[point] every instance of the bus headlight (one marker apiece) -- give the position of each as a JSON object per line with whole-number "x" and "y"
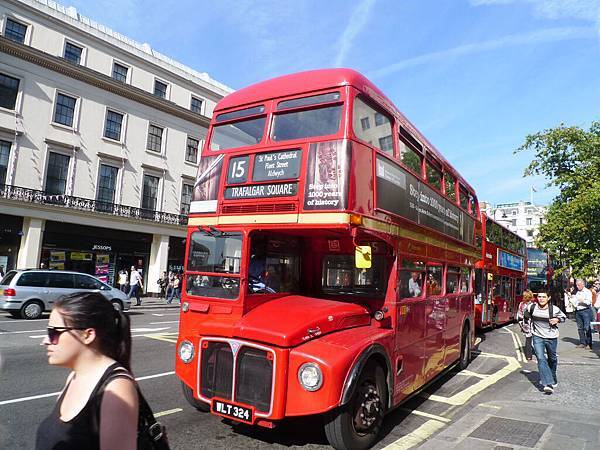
{"x": 186, "y": 351}
{"x": 310, "y": 376}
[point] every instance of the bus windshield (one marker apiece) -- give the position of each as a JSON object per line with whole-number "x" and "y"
{"x": 340, "y": 276}
{"x": 237, "y": 134}
{"x": 274, "y": 264}
{"x": 307, "y": 123}
{"x": 211, "y": 254}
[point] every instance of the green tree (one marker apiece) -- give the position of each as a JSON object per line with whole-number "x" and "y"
{"x": 569, "y": 158}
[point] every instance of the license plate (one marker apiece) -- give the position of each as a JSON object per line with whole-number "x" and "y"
{"x": 231, "y": 411}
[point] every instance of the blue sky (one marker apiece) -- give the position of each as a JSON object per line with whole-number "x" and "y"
{"x": 475, "y": 76}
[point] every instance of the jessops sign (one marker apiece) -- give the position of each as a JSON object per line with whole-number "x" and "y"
{"x": 401, "y": 193}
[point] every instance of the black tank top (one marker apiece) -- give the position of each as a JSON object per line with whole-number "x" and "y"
{"x": 82, "y": 431}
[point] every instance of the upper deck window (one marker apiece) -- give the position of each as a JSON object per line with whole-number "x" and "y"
{"x": 464, "y": 198}
{"x": 434, "y": 174}
{"x": 410, "y": 157}
{"x": 320, "y": 121}
{"x": 308, "y": 101}
{"x": 450, "y": 183}
{"x": 380, "y": 135}
{"x": 254, "y": 111}
{"x": 237, "y": 134}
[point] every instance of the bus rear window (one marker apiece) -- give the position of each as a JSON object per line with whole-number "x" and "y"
{"x": 308, "y": 123}
{"x": 237, "y": 134}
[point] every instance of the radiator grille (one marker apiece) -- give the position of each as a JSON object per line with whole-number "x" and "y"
{"x": 217, "y": 370}
{"x": 253, "y": 373}
{"x": 254, "y": 378}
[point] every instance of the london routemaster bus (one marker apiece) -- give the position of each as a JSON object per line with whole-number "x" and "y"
{"x": 500, "y": 275}
{"x": 329, "y": 262}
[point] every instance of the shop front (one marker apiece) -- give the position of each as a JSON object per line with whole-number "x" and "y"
{"x": 101, "y": 252}
{"x": 10, "y": 240}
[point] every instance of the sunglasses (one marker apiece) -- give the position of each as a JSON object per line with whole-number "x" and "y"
{"x": 55, "y": 332}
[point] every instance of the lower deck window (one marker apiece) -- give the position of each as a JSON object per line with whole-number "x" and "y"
{"x": 341, "y": 277}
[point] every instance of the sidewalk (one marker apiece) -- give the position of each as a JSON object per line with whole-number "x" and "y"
{"x": 568, "y": 419}
{"x": 153, "y": 302}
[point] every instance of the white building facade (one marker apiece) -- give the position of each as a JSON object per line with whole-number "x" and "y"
{"x": 100, "y": 139}
{"x": 523, "y": 218}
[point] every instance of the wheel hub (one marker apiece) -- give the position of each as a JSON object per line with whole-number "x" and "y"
{"x": 368, "y": 408}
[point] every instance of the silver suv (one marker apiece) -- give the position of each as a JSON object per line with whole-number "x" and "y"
{"x": 28, "y": 293}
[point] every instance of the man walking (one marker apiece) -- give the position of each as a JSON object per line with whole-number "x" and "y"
{"x": 544, "y": 319}
{"x": 583, "y": 314}
{"x": 135, "y": 284}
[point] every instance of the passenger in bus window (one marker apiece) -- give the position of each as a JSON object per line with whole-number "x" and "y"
{"x": 414, "y": 284}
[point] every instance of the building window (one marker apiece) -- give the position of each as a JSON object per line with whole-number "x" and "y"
{"x": 155, "y": 135}
{"x": 386, "y": 144}
{"x": 191, "y": 152}
{"x": 56, "y": 177}
{"x": 107, "y": 183}
{"x": 160, "y": 89}
{"x": 541, "y": 220}
{"x": 186, "y": 198}
{"x": 120, "y": 72}
{"x": 196, "y": 105}
{"x": 15, "y": 31}
{"x": 528, "y": 220}
{"x": 380, "y": 119}
{"x": 112, "y": 128}
{"x": 9, "y": 88}
{"x": 514, "y": 212}
{"x": 73, "y": 53}
{"x": 4, "y": 154}
{"x": 529, "y": 233}
{"x": 514, "y": 222}
{"x": 365, "y": 123}
{"x": 150, "y": 192}
{"x": 65, "y": 110}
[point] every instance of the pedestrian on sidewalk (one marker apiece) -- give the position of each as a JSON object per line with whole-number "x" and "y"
{"x": 163, "y": 282}
{"x": 175, "y": 289}
{"x": 545, "y": 318}
{"x": 92, "y": 339}
{"x": 135, "y": 285}
{"x": 123, "y": 279}
{"x": 583, "y": 314}
{"x": 525, "y": 324}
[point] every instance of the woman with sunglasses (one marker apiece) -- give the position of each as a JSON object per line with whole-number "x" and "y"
{"x": 98, "y": 408}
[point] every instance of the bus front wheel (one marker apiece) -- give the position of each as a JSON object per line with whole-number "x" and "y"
{"x": 189, "y": 396}
{"x": 355, "y": 425}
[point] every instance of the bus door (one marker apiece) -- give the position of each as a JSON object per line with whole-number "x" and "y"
{"x": 493, "y": 290}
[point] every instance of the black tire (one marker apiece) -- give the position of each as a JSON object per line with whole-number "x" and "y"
{"x": 117, "y": 305}
{"x": 189, "y": 396}
{"x": 32, "y": 310}
{"x": 465, "y": 348}
{"x": 356, "y": 425}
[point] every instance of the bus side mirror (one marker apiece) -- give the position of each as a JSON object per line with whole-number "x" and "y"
{"x": 362, "y": 257}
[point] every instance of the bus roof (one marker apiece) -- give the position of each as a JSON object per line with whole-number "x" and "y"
{"x": 315, "y": 80}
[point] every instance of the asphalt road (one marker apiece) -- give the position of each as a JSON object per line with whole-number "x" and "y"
{"x": 29, "y": 388}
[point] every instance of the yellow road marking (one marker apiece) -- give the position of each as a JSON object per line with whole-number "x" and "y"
{"x": 465, "y": 395}
{"x": 416, "y": 412}
{"x": 166, "y": 413}
{"x": 166, "y": 337}
{"x": 472, "y": 374}
{"x": 417, "y": 436}
{"x": 517, "y": 342}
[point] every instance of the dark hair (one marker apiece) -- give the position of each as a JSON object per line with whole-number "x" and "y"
{"x": 92, "y": 310}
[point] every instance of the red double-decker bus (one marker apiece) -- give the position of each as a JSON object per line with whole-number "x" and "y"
{"x": 501, "y": 275}
{"x": 330, "y": 259}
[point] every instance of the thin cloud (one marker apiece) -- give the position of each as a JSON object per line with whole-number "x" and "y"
{"x": 357, "y": 22}
{"x": 554, "y": 9}
{"x": 535, "y": 37}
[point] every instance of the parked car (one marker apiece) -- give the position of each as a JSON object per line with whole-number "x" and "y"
{"x": 27, "y": 293}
